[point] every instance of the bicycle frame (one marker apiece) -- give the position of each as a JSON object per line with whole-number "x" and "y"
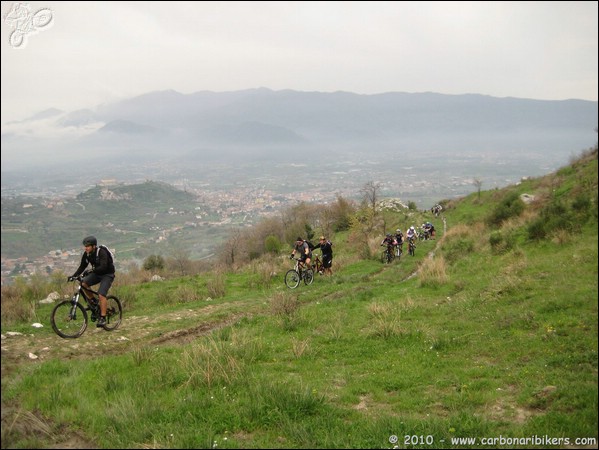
{"x": 412, "y": 246}
{"x": 317, "y": 264}
{"x": 82, "y": 292}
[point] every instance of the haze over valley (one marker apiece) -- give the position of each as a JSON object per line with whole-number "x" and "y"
{"x": 248, "y": 154}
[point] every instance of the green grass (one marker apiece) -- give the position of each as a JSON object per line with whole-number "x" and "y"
{"x": 481, "y": 343}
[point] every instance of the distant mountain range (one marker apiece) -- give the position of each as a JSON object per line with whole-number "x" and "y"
{"x": 283, "y": 124}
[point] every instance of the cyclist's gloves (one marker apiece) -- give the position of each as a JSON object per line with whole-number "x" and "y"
{"x": 291, "y": 256}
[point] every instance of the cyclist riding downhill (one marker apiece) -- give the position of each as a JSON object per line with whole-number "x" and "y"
{"x": 304, "y": 251}
{"x": 102, "y": 272}
{"x": 390, "y": 242}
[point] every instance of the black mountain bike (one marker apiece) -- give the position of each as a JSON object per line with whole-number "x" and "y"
{"x": 297, "y": 274}
{"x": 388, "y": 255}
{"x": 412, "y": 247}
{"x": 69, "y": 318}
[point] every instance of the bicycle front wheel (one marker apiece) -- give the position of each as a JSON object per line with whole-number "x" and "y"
{"x": 292, "y": 279}
{"x": 114, "y": 313}
{"x": 68, "y": 321}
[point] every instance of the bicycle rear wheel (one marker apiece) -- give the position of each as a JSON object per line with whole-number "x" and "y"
{"x": 114, "y": 313}
{"x": 292, "y": 279}
{"x": 68, "y": 321}
{"x": 308, "y": 277}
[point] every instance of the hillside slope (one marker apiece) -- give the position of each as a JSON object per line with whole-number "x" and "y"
{"x": 489, "y": 331}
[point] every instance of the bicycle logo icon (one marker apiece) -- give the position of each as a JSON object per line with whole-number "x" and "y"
{"x": 26, "y": 23}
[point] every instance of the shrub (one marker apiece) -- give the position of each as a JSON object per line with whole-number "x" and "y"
{"x": 553, "y": 217}
{"x": 272, "y": 244}
{"x": 510, "y": 206}
{"x": 153, "y": 262}
{"x": 495, "y": 239}
{"x": 457, "y": 248}
{"x": 216, "y": 286}
{"x": 285, "y": 307}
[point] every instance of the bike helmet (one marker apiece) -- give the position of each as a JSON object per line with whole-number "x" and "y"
{"x": 412, "y": 228}
{"x": 398, "y": 231}
{"x": 90, "y": 240}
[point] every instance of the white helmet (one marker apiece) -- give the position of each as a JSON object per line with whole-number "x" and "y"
{"x": 398, "y": 231}
{"x": 412, "y": 228}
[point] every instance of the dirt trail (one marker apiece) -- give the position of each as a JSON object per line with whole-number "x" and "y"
{"x": 19, "y": 349}
{"x": 30, "y": 348}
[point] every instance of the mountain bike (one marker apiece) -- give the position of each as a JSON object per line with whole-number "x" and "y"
{"x": 317, "y": 266}
{"x": 399, "y": 250}
{"x": 297, "y": 274}
{"x": 388, "y": 255}
{"x": 412, "y": 247}
{"x": 69, "y": 318}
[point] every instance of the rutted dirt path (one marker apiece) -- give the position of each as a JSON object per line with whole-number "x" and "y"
{"x": 31, "y": 348}
{"x": 19, "y": 349}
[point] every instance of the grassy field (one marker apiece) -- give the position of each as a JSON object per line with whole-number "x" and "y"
{"x": 487, "y": 338}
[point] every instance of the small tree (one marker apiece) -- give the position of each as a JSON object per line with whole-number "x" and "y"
{"x": 478, "y": 183}
{"x": 180, "y": 260}
{"x": 153, "y": 262}
{"x": 370, "y": 195}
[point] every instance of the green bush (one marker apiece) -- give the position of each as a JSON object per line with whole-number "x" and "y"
{"x": 510, "y": 206}
{"x": 553, "y": 217}
{"x": 457, "y": 248}
{"x": 495, "y": 239}
{"x": 153, "y": 262}
{"x": 272, "y": 244}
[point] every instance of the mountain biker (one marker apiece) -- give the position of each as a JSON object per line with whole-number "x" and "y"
{"x": 411, "y": 233}
{"x": 430, "y": 229}
{"x": 424, "y": 231}
{"x": 303, "y": 249}
{"x": 102, "y": 272}
{"x": 390, "y": 242}
{"x": 326, "y": 247}
{"x": 399, "y": 239}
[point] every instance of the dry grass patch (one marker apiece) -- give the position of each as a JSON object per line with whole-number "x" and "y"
{"x": 432, "y": 272}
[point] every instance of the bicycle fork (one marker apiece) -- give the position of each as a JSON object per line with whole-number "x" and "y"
{"x": 74, "y": 302}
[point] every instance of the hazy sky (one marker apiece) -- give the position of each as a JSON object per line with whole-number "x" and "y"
{"x": 81, "y": 54}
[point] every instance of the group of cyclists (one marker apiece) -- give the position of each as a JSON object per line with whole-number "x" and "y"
{"x": 103, "y": 271}
{"x": 394, "y": 242}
